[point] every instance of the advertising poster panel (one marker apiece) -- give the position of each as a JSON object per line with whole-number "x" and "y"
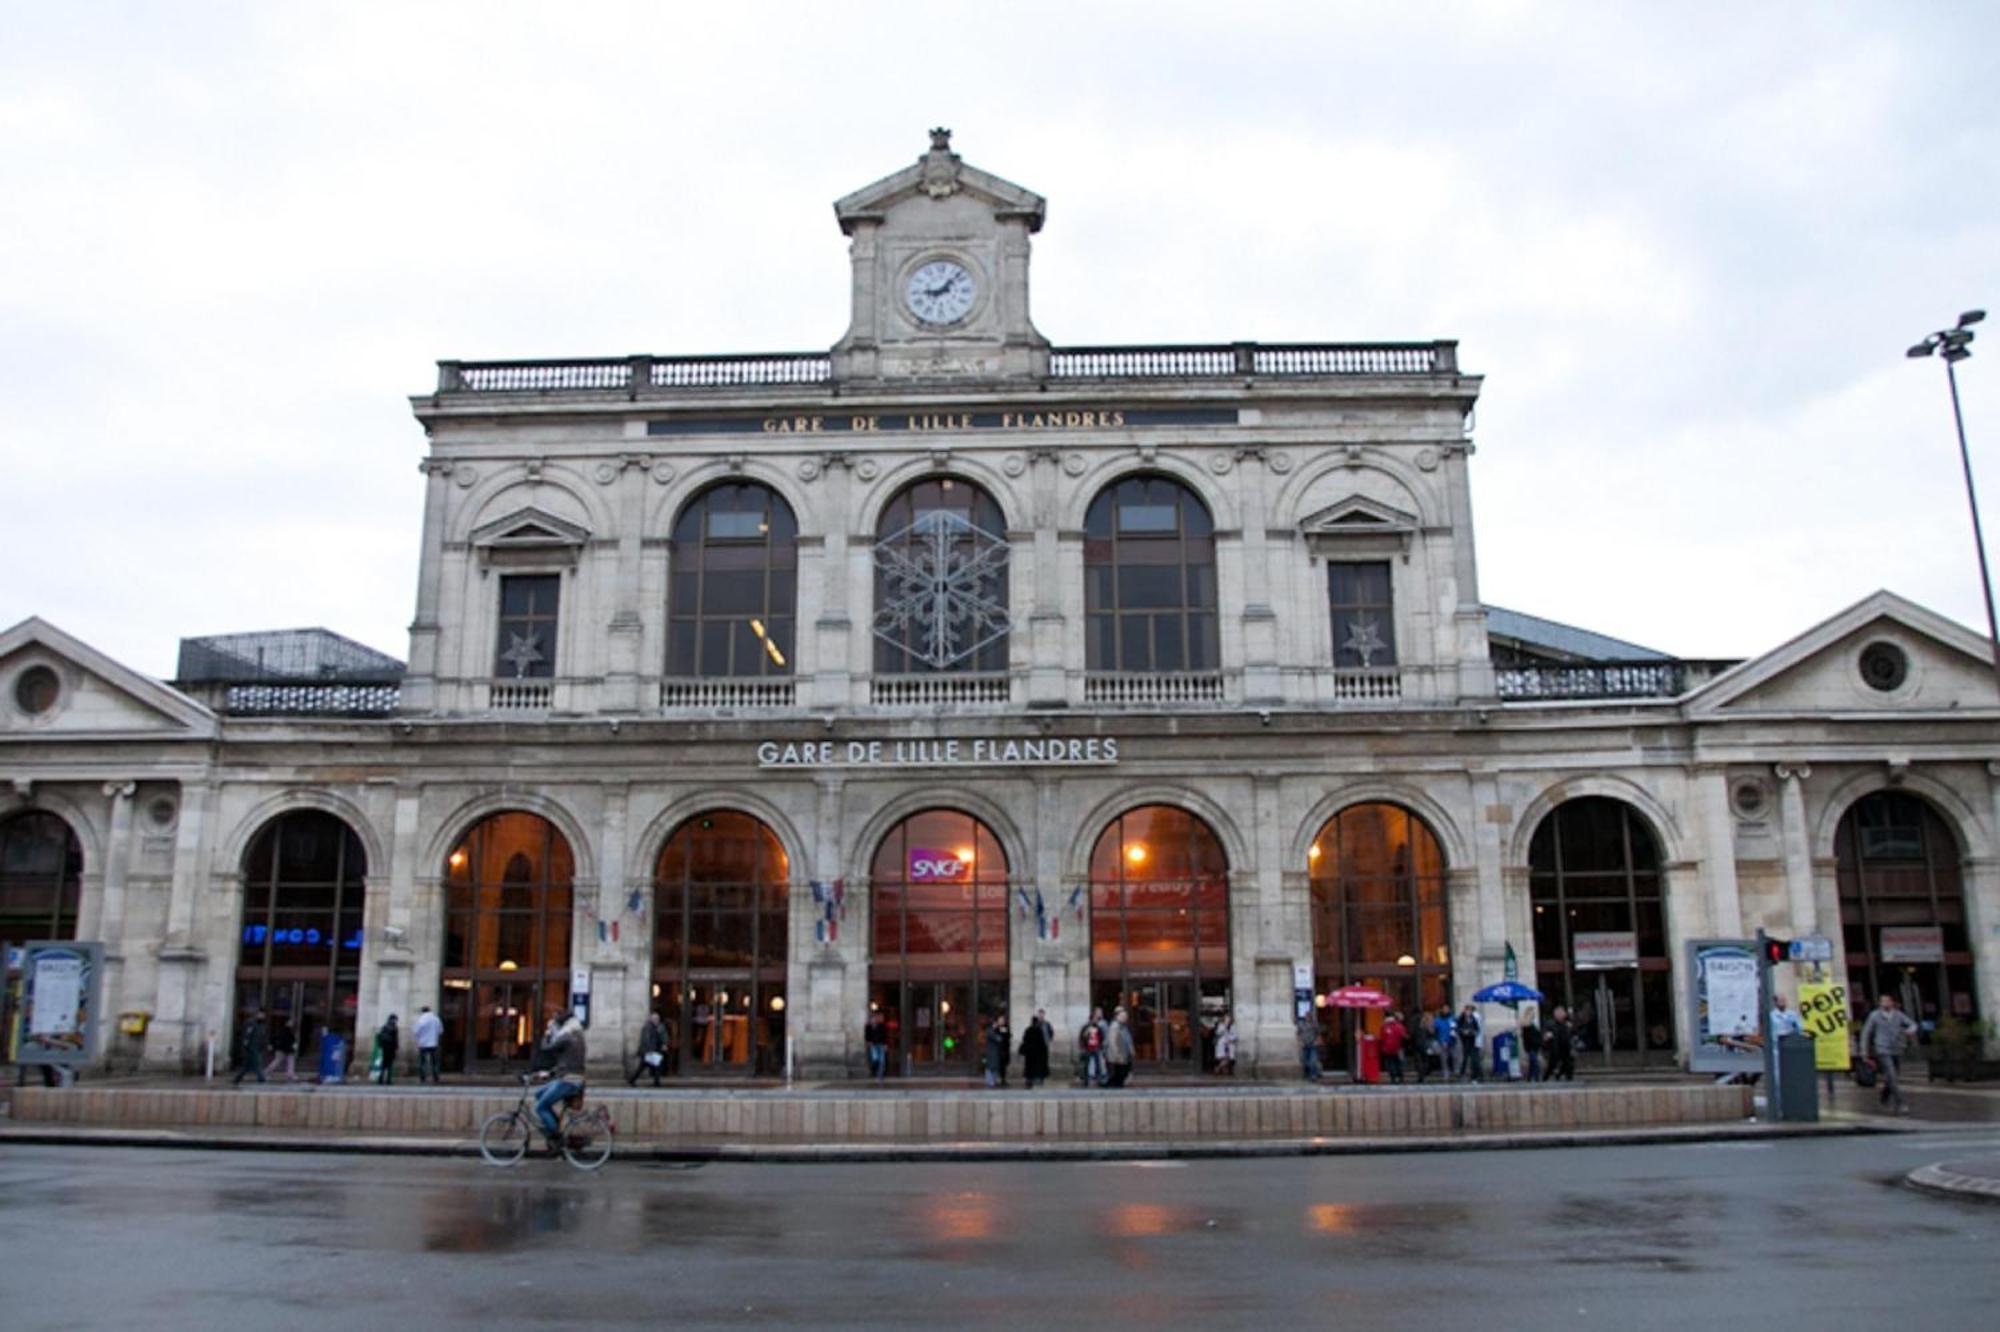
{"x": 62, "y": 986}
{"x": 1723, "y": 985}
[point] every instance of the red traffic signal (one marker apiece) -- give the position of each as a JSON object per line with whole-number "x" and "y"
{"x": 1777, "y": 950}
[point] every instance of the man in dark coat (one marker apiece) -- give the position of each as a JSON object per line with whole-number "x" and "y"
{"x": 1035, "y": 1048}
{"x": 389, "y": 1040}
{"x": 652, "y": 1051}
{"x": 251, "y": 1058}
{"x": 1561, "y": 1045}
{"x": 999, "y": 1049}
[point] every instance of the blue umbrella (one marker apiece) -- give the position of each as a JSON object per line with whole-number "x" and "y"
{"x": 1507, "y": 992}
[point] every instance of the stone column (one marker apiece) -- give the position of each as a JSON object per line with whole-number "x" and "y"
{"x": 103, "y": 914}
{"x": 1724, "y": 913}
{"x": 420, "y": 683}
{"x": 1982, "y": 916}
{"x": 826, "y": 566}
{"x": 826, "y": 984}
{"x": 1262, "y": 683}
{"x": 1263, "y": 945}
{"x": 1797, "y": 841}
{"x": 626, "y": 630}
{"x": 1485, "y": 887}
{"x": 1475, "y": 663}
{"x": 614, "y": 1032}
{"x": 1047, "y": 626}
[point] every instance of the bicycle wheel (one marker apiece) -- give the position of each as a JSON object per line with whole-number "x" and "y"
{"x": 586, "y": 1140}
{"x": 503, "y": 1139}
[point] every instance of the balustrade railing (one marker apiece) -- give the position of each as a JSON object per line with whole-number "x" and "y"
{"x": 1606, "y": 679}
{"x": 748, "y": 693}
{"x": 1117, "y": 688}
{"x": 911, "y": 691}
{"x": 1370, "y": 685}
{"x": 521, "y": 696}
{"x": 311, "y": 700}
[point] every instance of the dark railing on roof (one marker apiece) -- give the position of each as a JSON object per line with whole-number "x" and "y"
{"x": 264, "y": 699}
{"x": 633, "y": 375}
{"x": 1600, "y": 679}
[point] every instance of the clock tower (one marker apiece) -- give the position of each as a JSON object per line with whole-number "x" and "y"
{"x": 940, "y": 254}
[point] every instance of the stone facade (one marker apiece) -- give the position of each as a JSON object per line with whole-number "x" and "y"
{"x": 1305, "y": 459}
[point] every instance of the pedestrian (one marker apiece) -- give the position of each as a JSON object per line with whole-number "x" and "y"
{"x": 1469, "y": 1029}
{"x": 1883, "y": 1036}
{"x": 1090, "y": 1049}
{"x": 1562, "y": 1046}
{"x": 875, "y": 1035}
{"x": 428, "y": 1031}
{"x": 1444, "y": 1030}
{"x": 1225, "y": 1046}
{"x": 1531, "y": 1044}
{"x": 1309, "y": 1034}
{"x": 1422, "y": 1045}
{"x": 250, "y": 1049}
{"x": 1118, "y": 1048}
{"x": 1784, "y": 1022}
{"x": 999, "y": 1049}
{"x": 543, "y": 1060}
{"x": 1035, "y": 1042}
{"x": 652, "y": 1050}
{"x": 284, "y": 1049}
{"x": 387, "y": 1042}
{"x": 1394, "y": 1035}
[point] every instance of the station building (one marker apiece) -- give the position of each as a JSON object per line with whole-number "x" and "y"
{"x": 949, "y": 671}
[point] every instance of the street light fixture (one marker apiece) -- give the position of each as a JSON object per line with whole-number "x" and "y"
{"x": 1954, "y": 344}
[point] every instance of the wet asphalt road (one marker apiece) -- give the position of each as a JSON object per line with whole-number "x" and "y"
{"x": 1783, "y": 1235}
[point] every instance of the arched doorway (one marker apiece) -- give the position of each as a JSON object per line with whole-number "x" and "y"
{"x": 1159, "y": 933}
{"x": 299, "y": 955}
{"x": 1902, "y": 908}
{"x": 1601, "y": 929}
{"x": 41, "y": 878}
{"x": 1379, "y": 918}
{"x": 507, "y": 940}
{"x": 938, "y": 970}
{"x": 721, "y": 888}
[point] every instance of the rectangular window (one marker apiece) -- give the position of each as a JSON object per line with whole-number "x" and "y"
{"x": 1364, "y": 622}
{"x": 527, "y": 644}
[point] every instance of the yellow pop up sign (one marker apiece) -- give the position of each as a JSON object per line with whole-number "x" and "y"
{"x": 1823, "y": 1012}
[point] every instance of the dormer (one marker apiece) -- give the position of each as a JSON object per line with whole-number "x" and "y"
{"x": 940, "y": 257}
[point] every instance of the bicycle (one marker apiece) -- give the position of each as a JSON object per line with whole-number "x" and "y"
{"x": 584, "y": 1135}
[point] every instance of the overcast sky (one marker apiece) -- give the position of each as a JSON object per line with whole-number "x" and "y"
{"x": 1686, "y": 244}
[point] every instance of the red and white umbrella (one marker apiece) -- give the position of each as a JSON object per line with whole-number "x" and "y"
{"x": 1359, "y": 996}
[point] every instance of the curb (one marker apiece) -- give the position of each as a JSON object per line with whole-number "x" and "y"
{"x": 1948, "y": 1178}
{"x": 776, "y": 1153}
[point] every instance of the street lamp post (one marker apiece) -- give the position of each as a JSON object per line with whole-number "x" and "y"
{"x": 1955, "y": 344}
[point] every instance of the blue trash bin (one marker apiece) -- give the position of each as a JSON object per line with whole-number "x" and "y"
{"x": 1505, "y": 1064}
{"x": 332, "y": 1057}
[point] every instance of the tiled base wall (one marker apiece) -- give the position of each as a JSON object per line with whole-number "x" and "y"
{"x": 943, "y": 1117}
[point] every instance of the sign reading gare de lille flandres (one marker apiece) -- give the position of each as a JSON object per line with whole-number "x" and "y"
{"x": 882, "y": 423}
{"x": 952, "y": 753}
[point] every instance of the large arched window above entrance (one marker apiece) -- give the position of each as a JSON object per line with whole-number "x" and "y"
{"x": 1378, "y": 902}
{"x": 941, "y": 580}
{"x": 720, "y": 892}
{"x": 507, "y": 938}
{"x": 1902, "y": 908}
{"x": 299, "y": 956}
{"x": 41, "y": 876}
{"x": 733, "y": 602}
{"x": 938, "y": 966}
{"x": 1600, "y": 916}
{"x": 1159, "y": 931}
{"x": 1149, "y": 578}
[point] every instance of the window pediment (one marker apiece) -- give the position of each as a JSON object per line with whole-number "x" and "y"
{"x": 529, "y": 537}
{"x": 1357, "y": 526}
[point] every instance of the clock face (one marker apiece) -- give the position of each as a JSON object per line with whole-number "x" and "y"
{"x": 940, "y": 292}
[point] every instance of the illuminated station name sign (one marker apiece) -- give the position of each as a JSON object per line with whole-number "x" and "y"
{"x": 982, "y": 752}
{"x": 817, "y": 421}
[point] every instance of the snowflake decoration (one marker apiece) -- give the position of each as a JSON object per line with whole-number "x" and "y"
{"x": 943, "y": 588}
{"x": 1364, "y": 640}
{"x": 522, "y": 652}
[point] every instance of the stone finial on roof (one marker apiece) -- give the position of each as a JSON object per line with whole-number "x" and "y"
{"x": 940, "y": 139}
{"x": 940, "y": 166}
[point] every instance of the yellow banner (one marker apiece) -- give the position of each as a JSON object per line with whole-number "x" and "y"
{"x": 1823, "y": 1011}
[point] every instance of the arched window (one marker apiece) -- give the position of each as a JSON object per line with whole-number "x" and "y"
{"x": 941, "y": 580}
{"x": 299, "y": 959}
{"x": 720, "y": 892}
{"x": 41, "y": 876}
{"x": 1149, "y": 578}
{"x": 733, "y": 602}
{"x": 938, "y": 901}
{"x": 1601, "y": 928}
{"x": 507, "y": 939}
{"x": 1159, "y": 932}
{"x": 1378, "y": 904}
{"x": 1902, "y": 908}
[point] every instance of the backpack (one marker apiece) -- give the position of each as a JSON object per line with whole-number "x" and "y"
{"x": 1093, "y": 1038}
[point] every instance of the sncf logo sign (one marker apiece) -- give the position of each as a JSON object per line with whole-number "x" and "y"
{"x": 938, "y": 866}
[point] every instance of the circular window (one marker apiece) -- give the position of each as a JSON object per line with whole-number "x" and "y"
{"x": 1748, "y": 799}
{"x": 1884, "y": 666}
{"x": 162, "y": 811}
{"x": 36, "y": 689}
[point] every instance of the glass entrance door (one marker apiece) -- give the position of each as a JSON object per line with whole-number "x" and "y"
{"x": 936, "y": 1027}
{"x": 508, "y": 1018}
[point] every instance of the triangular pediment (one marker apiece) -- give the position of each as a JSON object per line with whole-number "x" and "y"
{"x": 530, "y": 529}
{"x": 1358, "y": 513}
{"x": 1885, "y": 654}
{"x": 53, "y": 685}
{"x": 940, "y": 174}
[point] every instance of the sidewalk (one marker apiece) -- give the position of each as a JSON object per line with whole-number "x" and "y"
{"x": 1977, "y": 1177}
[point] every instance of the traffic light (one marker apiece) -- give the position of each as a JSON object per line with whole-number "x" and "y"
{"x": 1777, "y": 950}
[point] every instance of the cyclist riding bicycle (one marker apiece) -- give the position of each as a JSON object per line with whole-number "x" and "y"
{"x": 568, "y": 1080}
